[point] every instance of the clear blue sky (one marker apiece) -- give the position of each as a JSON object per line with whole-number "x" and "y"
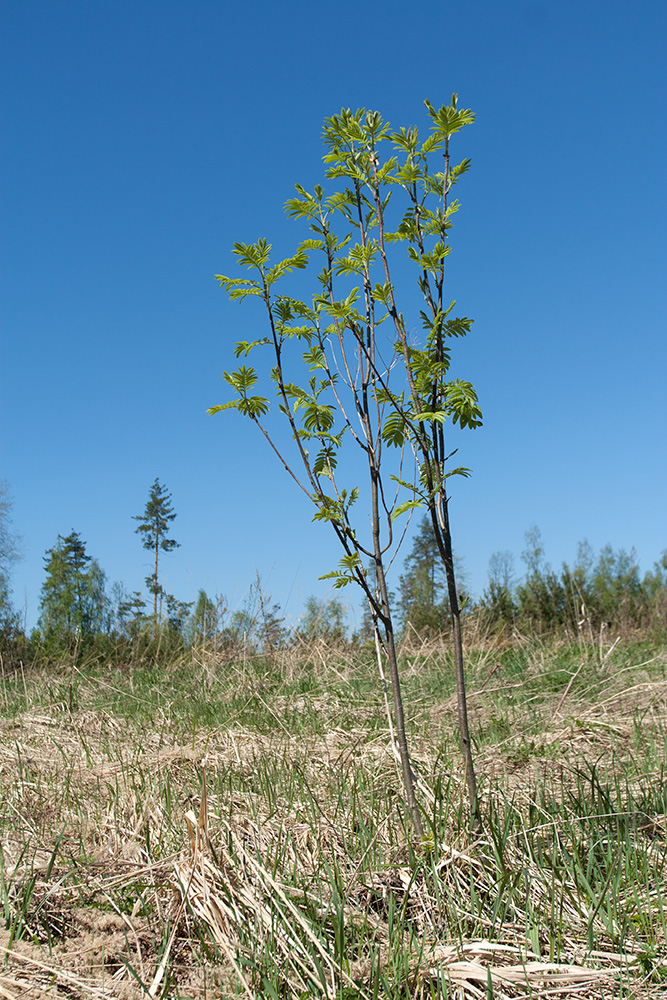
{"x": 141, "y": 139}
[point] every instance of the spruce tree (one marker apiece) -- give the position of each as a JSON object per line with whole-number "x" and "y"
{"x": 422, "y": 586}
{"x": 423, "y": 600}
{"x": 72, "y": 598}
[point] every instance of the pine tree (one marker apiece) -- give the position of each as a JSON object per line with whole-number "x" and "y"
{"x": 153, "y": 527}
{"x": 72, "y": 598}
{"x": 177, "y": 614}
{"x": 131, "y": 617}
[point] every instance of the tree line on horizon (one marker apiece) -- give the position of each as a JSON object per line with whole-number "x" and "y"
{"x": 598, "y": 591}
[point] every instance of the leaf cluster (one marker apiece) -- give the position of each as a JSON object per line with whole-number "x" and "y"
{"x": 348, "y": 365}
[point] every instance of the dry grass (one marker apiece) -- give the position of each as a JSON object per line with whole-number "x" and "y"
{"x": 146, "y": 854}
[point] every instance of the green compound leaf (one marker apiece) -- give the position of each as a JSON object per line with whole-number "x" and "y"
{"x": 253, "y": 254}
{"x": 393, "y": 432}
{"x": 253, "y": 406}
{"x": 232, "y": 405}
{"x": 408, "y": 505}
{"x": 245, "y": 347}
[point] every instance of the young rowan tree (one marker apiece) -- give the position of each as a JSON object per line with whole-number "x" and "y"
{"x": 367, "y": 379}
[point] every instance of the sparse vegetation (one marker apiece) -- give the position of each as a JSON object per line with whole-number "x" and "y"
{"x": 224, "y": 825}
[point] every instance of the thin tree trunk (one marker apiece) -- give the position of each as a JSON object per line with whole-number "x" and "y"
{"x": 155, "y": 587}
{"x": 457, "y": 640}
{"x": 399, "y": 718}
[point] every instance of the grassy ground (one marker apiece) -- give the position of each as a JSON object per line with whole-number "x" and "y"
{"x": 237, "y": 828}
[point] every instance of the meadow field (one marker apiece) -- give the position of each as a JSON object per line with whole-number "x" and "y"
{"x": 234, "y": 826}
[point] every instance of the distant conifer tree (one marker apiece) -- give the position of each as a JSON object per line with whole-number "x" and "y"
{"x": 153, "y": 528}
{"x": 72, "y": 598}
{"x": 422, "y": 588}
